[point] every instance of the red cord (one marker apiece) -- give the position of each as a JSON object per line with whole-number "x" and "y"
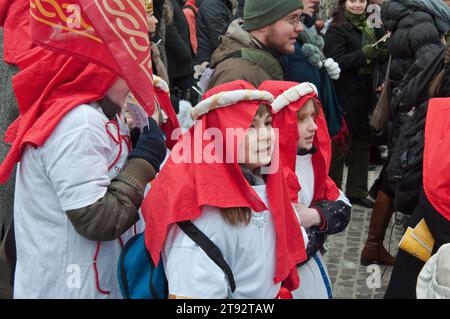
{"x": 99, "y": 244}
{"x": 97, "y": 280}
{"x": 117, "y": 141}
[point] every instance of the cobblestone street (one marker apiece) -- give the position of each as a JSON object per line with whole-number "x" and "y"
{"x": 349, "y": 278}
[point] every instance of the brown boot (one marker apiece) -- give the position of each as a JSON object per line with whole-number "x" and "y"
{"x": 374, "y": 252}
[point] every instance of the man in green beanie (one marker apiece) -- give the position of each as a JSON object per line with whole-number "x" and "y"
{"x": 252, "y": 46}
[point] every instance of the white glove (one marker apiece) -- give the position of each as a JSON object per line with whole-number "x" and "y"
{"x": 443, "y": 266}
{"x": 332, "y": 68}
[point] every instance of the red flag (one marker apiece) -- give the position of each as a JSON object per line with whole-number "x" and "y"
{"x": 15, "y": 20}
{"x": 110, "y": 33}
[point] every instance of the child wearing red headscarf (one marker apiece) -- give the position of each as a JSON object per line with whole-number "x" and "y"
{"x": 305, "y": 152}
{"x": 248, "y": 215}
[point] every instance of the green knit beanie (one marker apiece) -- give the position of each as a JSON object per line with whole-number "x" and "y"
{"x": 260, "y": 13}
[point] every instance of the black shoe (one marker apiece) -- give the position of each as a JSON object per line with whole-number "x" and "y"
{"x": 364, "y": 202}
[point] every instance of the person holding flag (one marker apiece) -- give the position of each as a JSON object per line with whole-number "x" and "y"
{"x": 79, "y": 185}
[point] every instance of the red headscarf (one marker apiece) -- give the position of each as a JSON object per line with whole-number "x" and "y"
{"x": 436, "y": 161}
{"x": 43, "y": 102}
{"x": 181, "y": 190}
{"x": 285, "y": 120}
{"x": 49, "y": 85}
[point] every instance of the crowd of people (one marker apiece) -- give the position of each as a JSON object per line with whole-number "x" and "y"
{"x": 253, "y": 110}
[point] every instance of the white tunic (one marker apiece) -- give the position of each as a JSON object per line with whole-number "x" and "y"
{"x": 69, "y": 171}
{"x": 249, "y": 251}
{"x": 314, "y": 279}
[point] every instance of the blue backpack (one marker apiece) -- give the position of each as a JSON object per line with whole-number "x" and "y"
{"x": 139, "y": 278}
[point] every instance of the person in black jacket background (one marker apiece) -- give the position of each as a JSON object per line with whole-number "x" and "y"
{"x": 350, "y": 42}
{"x": 417, "y": 28}
{"x": 403, "y": 280}
{"x": 179, "y": 54}
{"x": 213, "y": 19}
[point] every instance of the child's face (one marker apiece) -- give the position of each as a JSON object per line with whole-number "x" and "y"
{"x": 256, "y": 149}
{"x": 306, "y": 125}
{"x": 152, "y": 22}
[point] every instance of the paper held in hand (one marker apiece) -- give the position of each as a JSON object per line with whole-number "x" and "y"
{"x": 136, "y": 112}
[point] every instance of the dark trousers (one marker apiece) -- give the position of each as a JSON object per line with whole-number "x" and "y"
{"x": 357, "y": 160}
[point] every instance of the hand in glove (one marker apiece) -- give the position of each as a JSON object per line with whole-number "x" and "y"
{"x": 370, "y": 52}
{"x": 332, "y": 68}
{"x": 150, "y": 145}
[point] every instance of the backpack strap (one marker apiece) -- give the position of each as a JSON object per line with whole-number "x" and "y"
{"x": 209, "y": 248}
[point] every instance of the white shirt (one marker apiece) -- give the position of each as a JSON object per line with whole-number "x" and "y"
{"x": 312, "y": 284}
{"x": 69, "y": 171}
{"x": 305, "y": 173}
{"x": 249, "y": 251}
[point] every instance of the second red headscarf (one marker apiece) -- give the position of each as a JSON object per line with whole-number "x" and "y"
{"x": 286, "y": 121}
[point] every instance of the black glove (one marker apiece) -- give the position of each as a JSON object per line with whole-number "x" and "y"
{"x": 335, "y": 213}
{"x": 135, "y": 132}
{"x": 150, "y": 146}
{"x": 315, "y": 241}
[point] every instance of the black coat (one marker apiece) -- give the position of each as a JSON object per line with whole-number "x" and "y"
{"x": 355, "y": 92}
{"x": 213, "y": 19}
{"x": 404, "y": 275}
{"x": 178, "y": 45}
{"x": 414, "y": 33}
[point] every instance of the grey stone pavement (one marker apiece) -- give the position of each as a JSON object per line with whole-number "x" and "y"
{"x": 349, "y": 279}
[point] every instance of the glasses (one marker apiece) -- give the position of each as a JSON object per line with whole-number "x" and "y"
{"x": 295, "y": 20}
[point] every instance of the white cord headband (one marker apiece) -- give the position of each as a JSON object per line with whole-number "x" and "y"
{"x": 293, "y": 94}
{"x": 227, "y": 98}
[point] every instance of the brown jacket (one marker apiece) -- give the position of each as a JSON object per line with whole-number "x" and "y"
{"x": 113, "y": 214}
{"x": 229, "y": 65}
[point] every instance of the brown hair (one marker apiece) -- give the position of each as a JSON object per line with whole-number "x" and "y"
{"x": 316, "y": 109}
{"x": 438, "y": 87}
{"x": 263, "y": 109}
{"x": 236, "y": 215}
